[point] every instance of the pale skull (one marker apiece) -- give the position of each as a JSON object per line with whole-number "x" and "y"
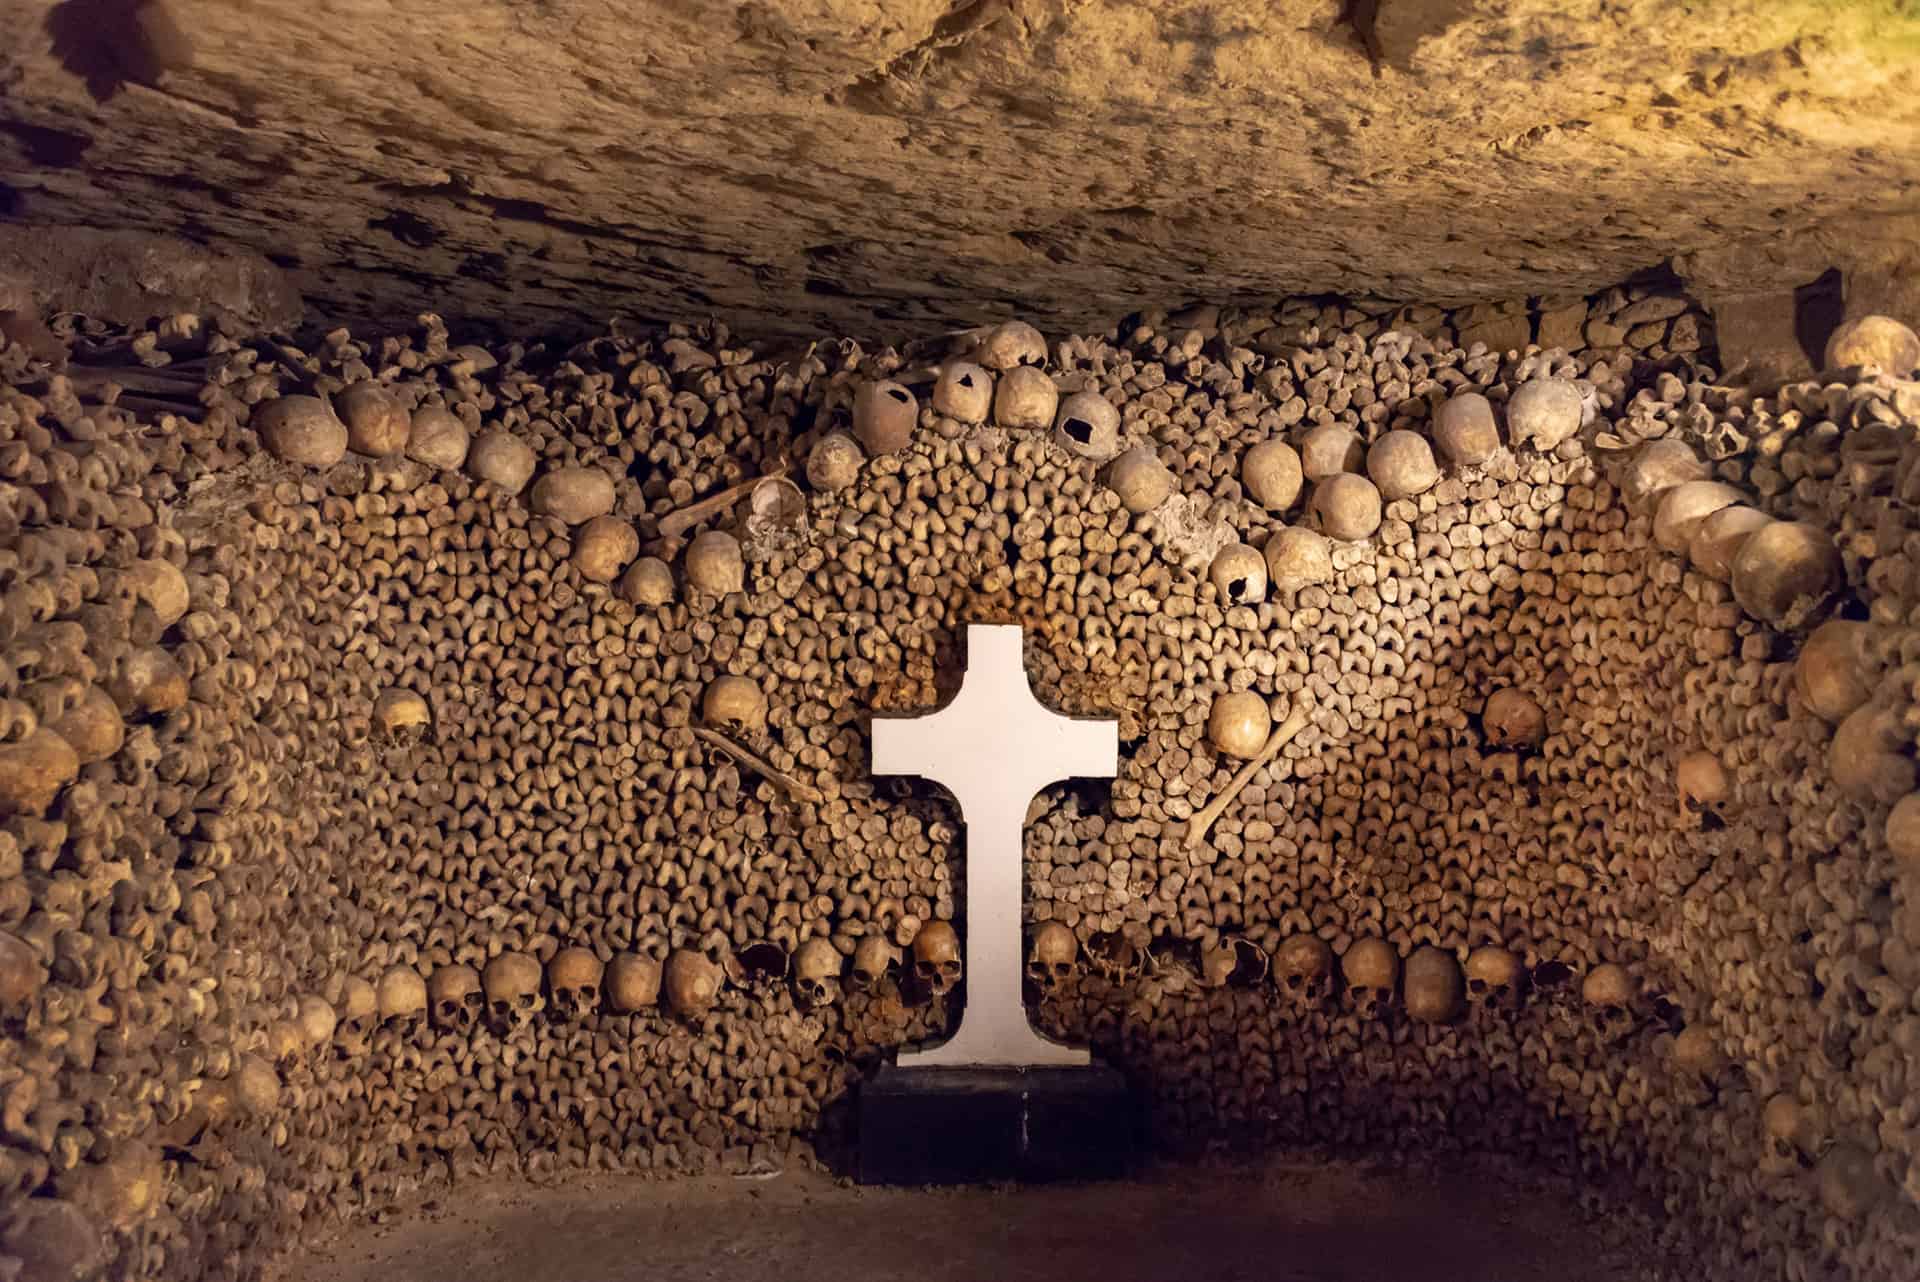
{"x": 512, "y": 984}
{"x": 874, "y": 959}
{"x": 454, "y": 998}
{"x": 735, "y": 705}
{"x": 1493, "y": 977}
{"x": 401, "y": 996}
{"x": 816, "y": 973}
{"x": 936, "y": 957}
{"x": 1051, "y": 955}
{"x": 1609, "y": 992}
{"x": 1371, "y": 969}
{"x": 632, "y": 983}
{"x": 691, "y": 982}
{"x": 1303, "y": 969}
{"x": 573, "y": 980}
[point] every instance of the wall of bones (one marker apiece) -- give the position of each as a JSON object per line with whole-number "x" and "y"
{"x": 419, "y": 760}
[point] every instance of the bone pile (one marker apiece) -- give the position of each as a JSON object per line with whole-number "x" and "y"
{"x": 422, "y": 760}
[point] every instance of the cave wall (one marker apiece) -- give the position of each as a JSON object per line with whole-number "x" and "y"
{"x": 840, "y": 166}
{"x": 218, "y": 928}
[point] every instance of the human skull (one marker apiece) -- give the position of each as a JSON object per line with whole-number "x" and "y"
{"x": 1140, "y": 479}
{"x": 1695, "y": 1054}
{"x": 885, "y": 414}
{"x": 1849, "y": 1186}
{"x": 1239, "y": 575}
{"x": 1701, "y": 781}
{"x": 936, "y": 957}
{"x": 1239, "y": 724}
{"x": 1011, "y": 344}
{"x": 573, "y": 979}
{"x": 359, "y": 1010}
{"x": 1232, "y": 959}
{"x": 1303, "y": 969}
{"x": 632, "y": 983}
{"x": 834, "y": 462}
{"x": 1513, "y": 720}
{"x": 1025, "y": 398}
{"x": 874, "y": 959}
{"x": 1401, "y": 465}
{"x": 454, "y": 998}
{"x": 1371, "y": 969}
{"x": 691, "y": 982}
{"x": 401, "y": 712}
{"x": 512, "y": 984}
{"x": 714, "y": 563}
{"x": 317, "y": 1019}
{"x": 736, "y": 705}
{"x": 401, "y": 997}
{"x": 1609, "y": 992}
{"x": 963, "y": 392}
{"x": 1433, "y": 986}
{"x": 648, "y": 581}
{"x": 1793, "y": 1132}
{"x": 1088, "y": 425}
{"x": 816, "y": 972}
{"x": 1297, "y": 558}
{"x": 1270, "y": 474}
{"x": 1051, "y": 954}
{"x": 1347, "y": 505}
{"x": 1543, "y": 412}
{"x": 1493, "y": 977}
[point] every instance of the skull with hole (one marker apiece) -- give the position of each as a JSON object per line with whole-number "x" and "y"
{"x": 1051, "y": 955}
{"x": 1239, "y": 575}
{"x": 512, "y": 985}
{"x": 632, "y": 983}
{"x": 1371, "y": 969}
{"x": 936, "y": 957}
{"x": 1232, "y": 960}
{"x": 573, "y": 980}
{"x": 1088, "y": 425}
{"x": 1610, "y": 994}
{"x": 1303, "y": 970}
{"x": 875, "y": 960}
{"x": 1493, "y": 978}
{"x": 454, "y": 998}
{"x": 963, "y": 392}
{"x": 816, "y": 973}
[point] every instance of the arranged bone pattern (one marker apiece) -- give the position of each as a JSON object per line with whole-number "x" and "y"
{"x": 425, "y": 760}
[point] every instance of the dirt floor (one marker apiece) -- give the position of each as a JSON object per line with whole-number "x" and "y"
{"x": 1295, "y": 1224}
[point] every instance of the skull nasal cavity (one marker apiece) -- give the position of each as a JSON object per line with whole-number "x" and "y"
{"x": 1080, "y": 430}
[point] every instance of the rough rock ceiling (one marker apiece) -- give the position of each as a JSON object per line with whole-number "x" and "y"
{"x": 860, "y": 166}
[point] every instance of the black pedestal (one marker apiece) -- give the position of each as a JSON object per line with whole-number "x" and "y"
{"x": 977, "y": 1125}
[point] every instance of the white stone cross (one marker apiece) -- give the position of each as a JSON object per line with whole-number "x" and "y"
{"x": 994, "y": 747}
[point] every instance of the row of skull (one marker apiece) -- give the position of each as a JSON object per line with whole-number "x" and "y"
{"x": 1432, "y": 985}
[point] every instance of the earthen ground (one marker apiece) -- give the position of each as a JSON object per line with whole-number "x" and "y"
{"x": 1340, "y": 1223}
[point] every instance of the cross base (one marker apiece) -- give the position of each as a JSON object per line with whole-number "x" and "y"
{"x": 980, "y": 1125}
